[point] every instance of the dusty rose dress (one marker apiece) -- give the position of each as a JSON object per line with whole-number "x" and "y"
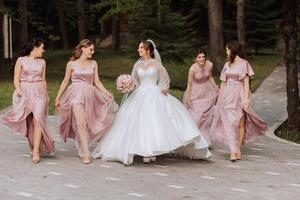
{"x": 84, "y": 107}
{"x": 33, "y": 103}
{"x": 203, "y": 97}
{"x": 229, "y": 109}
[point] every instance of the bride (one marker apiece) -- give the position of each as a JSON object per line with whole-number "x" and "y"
{"x": 151, "y": 122}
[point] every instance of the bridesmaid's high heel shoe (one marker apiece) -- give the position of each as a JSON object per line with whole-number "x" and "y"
{"x": 153, "y": 158}
{"x": 238, "y": 155}
{"x": 233, "y": 157}
{"x": 86, "y": 159}
{"x": 35, "y": 157}
{"x": 146, "y": 160}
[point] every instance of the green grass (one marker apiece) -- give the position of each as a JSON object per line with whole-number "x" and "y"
{"x": 285, "y": 133}
{"x": 111, "y": 64}
{"x": 6, "y": 90}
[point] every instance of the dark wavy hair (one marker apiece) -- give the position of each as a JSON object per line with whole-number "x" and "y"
{"x": 236, "y": 49}
{"x": 148, "y": 46}
{"x": 29, "y": 46}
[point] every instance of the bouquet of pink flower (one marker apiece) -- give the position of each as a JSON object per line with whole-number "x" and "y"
{"x": 125, "y": 83}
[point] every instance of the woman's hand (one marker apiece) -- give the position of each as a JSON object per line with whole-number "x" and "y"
{"x": 109, "y": 95}
{"x": 57, "y": 104}
{"x": 217, "y": 89}
{"x": 165, "y": 92}
{"x": 19, "y": 92}
{"x": 246, "y": 103}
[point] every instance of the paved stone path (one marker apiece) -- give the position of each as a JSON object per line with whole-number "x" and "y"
{"x": 269, "y": 170}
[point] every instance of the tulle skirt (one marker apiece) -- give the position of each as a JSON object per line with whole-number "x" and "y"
{"x": 149, "y": 124}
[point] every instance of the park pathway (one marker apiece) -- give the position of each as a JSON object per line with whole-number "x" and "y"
{"x": 269, "y": 170}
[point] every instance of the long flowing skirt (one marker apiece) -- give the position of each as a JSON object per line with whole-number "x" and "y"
{"x": 202, "y": 101}
{"x": 32, "y": 104}
{"x": 85, "y": 108}
{"x": 227, "y": 115}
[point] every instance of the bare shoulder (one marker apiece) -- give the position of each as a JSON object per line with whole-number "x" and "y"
{"x": 70, "y": 62}
{"x": 94, "y": 62}
{"x": 209, "y": 64}
{"x": 193, "y": 67}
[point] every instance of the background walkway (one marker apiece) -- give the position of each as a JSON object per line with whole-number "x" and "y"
{"x": 270, "y": 169}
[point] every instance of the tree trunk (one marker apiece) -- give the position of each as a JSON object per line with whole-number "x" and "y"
{"x": 23, "y": 30}
{"x": 62, "y": 23}
{"x": 159, "y": 14}
{"x": 240, "y": 16}
{"x": 116, "y": 32}
{"x": 216, "y": 44}
{"x": 290, "y": 59}
{"x": 81, "y": 16}
{"x": 1, "y": 38}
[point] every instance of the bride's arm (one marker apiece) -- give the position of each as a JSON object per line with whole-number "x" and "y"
{"x": 134, "y": 75}
{"x": 164, "y": 79}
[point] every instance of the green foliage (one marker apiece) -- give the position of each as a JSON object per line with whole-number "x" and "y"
{"x": 172, "y": 31}
{"x": 38, "y": 20}
{"x": 262, "y": 23}
{"x": 111, "y": 8}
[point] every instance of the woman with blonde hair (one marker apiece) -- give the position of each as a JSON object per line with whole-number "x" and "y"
{"x": 87, "y": 109}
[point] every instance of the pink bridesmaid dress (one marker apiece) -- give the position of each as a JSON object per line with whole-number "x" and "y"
{"x": 203, "y": 97}
{"x": 33, "y": 103}
{"x": 83, "y": 102}
{"x": 230, "y": 109}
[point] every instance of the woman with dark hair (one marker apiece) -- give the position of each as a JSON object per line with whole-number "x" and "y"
{"x": 234, "y": 121}
{"x": 30, "y": 100}
{"x": 151, "y": 122}
{"x": 87, "y": 109}
{"x": 201, "y": 93}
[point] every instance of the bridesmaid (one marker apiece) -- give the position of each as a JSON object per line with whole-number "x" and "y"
{"x": 201, "y": 93}
{"x": 87, "y": 109}
{"x": 234, "y": 121}
{"x": 30, "y": 100}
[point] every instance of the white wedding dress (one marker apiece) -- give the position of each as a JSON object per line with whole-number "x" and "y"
{"x": 150, "y": 123}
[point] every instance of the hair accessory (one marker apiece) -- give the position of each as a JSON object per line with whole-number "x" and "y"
{"x": 152, "y": 42}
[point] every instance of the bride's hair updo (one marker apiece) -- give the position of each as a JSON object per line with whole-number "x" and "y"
{"x": 149, "y": 46}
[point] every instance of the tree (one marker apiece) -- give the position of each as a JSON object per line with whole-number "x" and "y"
{"x": 81, "y": 19}
{"x": 240, "y": 21}
{"x": 62, "y": 23}
{"x": 1, "y": 32}
{"x": 112, "y": 10}
{"x": 176, "y": 36}
{"x": 216, "y": 43}
{"x": 261, "y": 19}
{"x": 23, "y": 30}
{"x": 290, "y": 59}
